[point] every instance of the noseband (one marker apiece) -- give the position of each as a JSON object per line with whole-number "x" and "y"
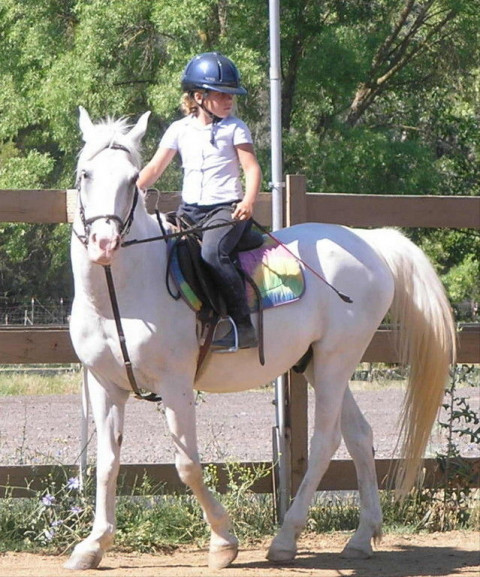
{"x": 123, "y": 225}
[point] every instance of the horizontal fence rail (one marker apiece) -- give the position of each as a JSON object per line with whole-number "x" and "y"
{"x": 57, "y": 206}
{"x": 42, "y": 344}
{"x": 52, "y": 344}
{"x": 26, "y": 481}
{"x": 405, "y": 211}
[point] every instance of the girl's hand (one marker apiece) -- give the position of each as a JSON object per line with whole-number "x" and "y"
{"x": 243, "y": 211}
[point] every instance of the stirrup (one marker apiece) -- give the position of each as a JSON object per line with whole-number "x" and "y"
{"x": 227, "y": 319}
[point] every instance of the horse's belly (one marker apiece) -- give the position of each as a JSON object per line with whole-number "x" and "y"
{"x": 241, "y": 371}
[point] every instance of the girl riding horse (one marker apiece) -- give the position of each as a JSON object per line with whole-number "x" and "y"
{"x": 214, "y": 145}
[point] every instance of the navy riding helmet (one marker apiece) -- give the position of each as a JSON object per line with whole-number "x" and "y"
{"x": 212, "y": 71}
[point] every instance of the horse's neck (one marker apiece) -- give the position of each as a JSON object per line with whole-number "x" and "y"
{"x": 137, "y": 270}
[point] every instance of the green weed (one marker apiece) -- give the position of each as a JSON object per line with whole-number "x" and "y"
{"x": 55, "y": 517}
{"x": 59, "y": 515}
{"x": 40, "y": 380}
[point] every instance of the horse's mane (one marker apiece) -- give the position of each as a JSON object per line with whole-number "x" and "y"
{"x": 106, "y": 133}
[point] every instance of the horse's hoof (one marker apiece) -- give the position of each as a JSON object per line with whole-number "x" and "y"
{"x": 222, "y": 556}
{"x": 350, "y": 552}
{"x": 281, "y": 554}
{"x": 83, "y": 560}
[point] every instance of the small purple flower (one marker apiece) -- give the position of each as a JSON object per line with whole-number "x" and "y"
{"x": 76, "y": 509}
{"x": 73, "y": 483}
{"x": 48, "y": 500}
{"x": 57, "y": 523}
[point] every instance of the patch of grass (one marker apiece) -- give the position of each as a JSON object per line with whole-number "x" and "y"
{"x": 333, "y": 512}
{"x": 54, "y": 517}
{"x": 428, "y": 510}
{"x": 422, "y": 510}
{"x": 39, "y": 380}
{"x": 60, "y": 514}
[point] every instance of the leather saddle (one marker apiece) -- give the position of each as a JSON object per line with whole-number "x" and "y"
{"x": 186, "y": 249}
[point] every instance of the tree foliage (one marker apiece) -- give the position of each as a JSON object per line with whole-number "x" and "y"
{"x": 377, "y": 97}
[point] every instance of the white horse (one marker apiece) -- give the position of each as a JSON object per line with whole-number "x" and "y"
{"x": 379, "y": 269}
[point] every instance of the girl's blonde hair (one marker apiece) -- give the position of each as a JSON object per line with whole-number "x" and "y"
{"x": 188, "y": 104}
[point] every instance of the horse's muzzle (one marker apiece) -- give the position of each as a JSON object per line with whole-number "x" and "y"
{"x": 104, "y": 241}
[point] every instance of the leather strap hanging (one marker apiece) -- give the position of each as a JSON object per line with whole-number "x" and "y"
{"x": 139, "y": 394}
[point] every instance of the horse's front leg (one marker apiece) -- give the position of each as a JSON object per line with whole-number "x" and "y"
{"x": 108, "y": 407}
{"x": 180, "y": 412}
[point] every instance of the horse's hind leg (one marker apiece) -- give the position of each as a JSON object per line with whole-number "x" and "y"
{"x": 180, "y": 413}
{"x": 329, "y": 379}
{"x": 359, "y": 440}
{"x": 108, "y": 411}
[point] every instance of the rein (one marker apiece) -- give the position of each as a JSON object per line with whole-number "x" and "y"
{"x": 139, "y": 393}
{"x": 124, "y": 228}
{"x": 195, "y": 229}
{"x": 190, "y": 230}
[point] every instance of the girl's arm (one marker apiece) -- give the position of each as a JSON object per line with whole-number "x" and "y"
{"x": 152, "y": 171}
{"x": 253, "y": 179}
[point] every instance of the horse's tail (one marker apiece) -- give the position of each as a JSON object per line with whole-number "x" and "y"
{"x": 426, "y": 342}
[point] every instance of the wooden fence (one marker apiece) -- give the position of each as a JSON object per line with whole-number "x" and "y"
{"x": 52, "y": 344}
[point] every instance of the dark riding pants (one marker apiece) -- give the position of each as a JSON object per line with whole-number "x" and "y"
{"x": 218, "y": 248}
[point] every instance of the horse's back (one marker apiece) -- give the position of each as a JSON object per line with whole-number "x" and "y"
{"x": 345, "y": 260}
{"x": 342, "y": 241}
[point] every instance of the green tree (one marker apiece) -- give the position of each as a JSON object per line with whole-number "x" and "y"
{"x": 378, "y": 97}
{"x": 361, "y": 73}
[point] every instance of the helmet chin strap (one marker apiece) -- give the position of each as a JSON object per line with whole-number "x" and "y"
{"x": 213, "y": 117}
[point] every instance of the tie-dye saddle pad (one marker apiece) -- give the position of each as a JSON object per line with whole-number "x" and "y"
{"x": 277, "y": 274}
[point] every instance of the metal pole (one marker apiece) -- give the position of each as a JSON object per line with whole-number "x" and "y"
{"x": 277, "y": 183}
{"x": 277, "y": 186}
{"x": 84, "y": 428}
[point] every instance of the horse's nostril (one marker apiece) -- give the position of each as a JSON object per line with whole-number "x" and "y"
{"x": 105, "y": 244}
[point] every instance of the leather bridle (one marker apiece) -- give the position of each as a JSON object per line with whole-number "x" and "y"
{"x": 123, "y": 224}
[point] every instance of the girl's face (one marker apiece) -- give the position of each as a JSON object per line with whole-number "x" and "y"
{"x": 217, "y": 103}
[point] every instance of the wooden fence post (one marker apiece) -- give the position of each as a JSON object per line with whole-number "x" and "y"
{"x": 295, "y": 199}
{"x": 297, "y": 391}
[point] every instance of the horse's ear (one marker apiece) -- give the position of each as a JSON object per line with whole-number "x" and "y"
{"x": 138, "y": 131}
{"x": 85, "y": 123}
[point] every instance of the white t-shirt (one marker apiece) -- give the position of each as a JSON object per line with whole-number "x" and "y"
{"x": 211, "y": 172}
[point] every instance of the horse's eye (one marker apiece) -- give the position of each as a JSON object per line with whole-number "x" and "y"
{"x": 85, "y": 175}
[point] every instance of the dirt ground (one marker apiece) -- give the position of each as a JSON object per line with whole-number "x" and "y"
{"x": 45, "y": 429}
{"x": 439, "y": 554}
